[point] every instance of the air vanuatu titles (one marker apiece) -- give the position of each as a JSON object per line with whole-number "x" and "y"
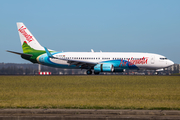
{"x": 29, "y": 38}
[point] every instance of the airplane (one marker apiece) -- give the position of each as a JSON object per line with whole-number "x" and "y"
{"x": 93, "y": 62}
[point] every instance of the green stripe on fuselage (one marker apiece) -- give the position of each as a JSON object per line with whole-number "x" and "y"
{"x": 28, "y": 50}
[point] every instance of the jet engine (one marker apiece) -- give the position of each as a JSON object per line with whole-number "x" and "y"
{"x": 104, "y": 68}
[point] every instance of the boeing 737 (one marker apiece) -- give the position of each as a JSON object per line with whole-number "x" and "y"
{"x": 93, "y": 62}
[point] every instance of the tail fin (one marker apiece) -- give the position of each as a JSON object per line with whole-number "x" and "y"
{"x": 26, "y": 37}
{"x": 31, "y": 47}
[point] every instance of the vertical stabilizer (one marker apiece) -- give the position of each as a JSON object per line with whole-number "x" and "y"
{"x": 26, "y": 37}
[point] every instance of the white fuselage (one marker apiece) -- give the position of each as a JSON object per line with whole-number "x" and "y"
{"x": 140, "y": 60}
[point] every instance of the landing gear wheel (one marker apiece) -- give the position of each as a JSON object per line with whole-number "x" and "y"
{"x": 96, "y": 73}
{"x": 88, "y": 72}
{"x": 156, "y": 73}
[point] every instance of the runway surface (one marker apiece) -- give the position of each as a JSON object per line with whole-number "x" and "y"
{"x": 87, "y": 114}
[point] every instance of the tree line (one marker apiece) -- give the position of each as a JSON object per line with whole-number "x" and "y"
{"x": 31, "y": 69}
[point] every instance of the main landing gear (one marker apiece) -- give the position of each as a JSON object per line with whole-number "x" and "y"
{"x": 96, "y": 73}
{"x": 89, "y": 72}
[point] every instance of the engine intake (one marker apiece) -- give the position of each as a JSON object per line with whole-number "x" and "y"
{"x": 104, "y": 68}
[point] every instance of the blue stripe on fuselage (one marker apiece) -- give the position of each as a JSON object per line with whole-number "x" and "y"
{"x": 45, "y": 60}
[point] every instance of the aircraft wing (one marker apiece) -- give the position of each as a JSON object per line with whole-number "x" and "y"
{"x": 82, "y": 64}
{"x": 78, "y": 63}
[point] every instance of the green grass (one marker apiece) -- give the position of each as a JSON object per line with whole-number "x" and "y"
{"x": 176, "y": 74}
{"x": 90, "y": 92}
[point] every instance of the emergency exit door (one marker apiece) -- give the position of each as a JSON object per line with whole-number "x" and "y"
{"x": 152, "y": 59}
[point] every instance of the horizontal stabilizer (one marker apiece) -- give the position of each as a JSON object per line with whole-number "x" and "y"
{"x": 20, "y": 53}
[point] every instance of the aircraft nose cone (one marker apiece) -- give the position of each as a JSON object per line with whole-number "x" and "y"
{"x": 170, "y": 63}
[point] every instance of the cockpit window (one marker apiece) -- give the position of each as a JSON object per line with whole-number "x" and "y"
{"x": 163, "y": 58}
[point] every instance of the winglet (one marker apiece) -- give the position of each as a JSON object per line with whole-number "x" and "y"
{"x": 48, "y": 53}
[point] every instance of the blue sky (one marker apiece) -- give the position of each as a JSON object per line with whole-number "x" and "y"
{"x": 80, "y": 25}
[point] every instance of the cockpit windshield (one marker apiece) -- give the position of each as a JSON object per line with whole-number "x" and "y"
{"x": 163, "y": 58}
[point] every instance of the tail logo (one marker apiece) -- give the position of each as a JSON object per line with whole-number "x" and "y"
{"x": 28, "y": 37}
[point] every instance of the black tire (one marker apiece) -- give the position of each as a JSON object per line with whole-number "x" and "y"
{"x": 88, "y": 72}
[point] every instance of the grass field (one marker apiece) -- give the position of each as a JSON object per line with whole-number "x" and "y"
{"x": 86, "y": 92}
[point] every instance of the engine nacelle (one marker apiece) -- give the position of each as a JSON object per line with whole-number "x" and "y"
{"x": 104, "y": 68}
